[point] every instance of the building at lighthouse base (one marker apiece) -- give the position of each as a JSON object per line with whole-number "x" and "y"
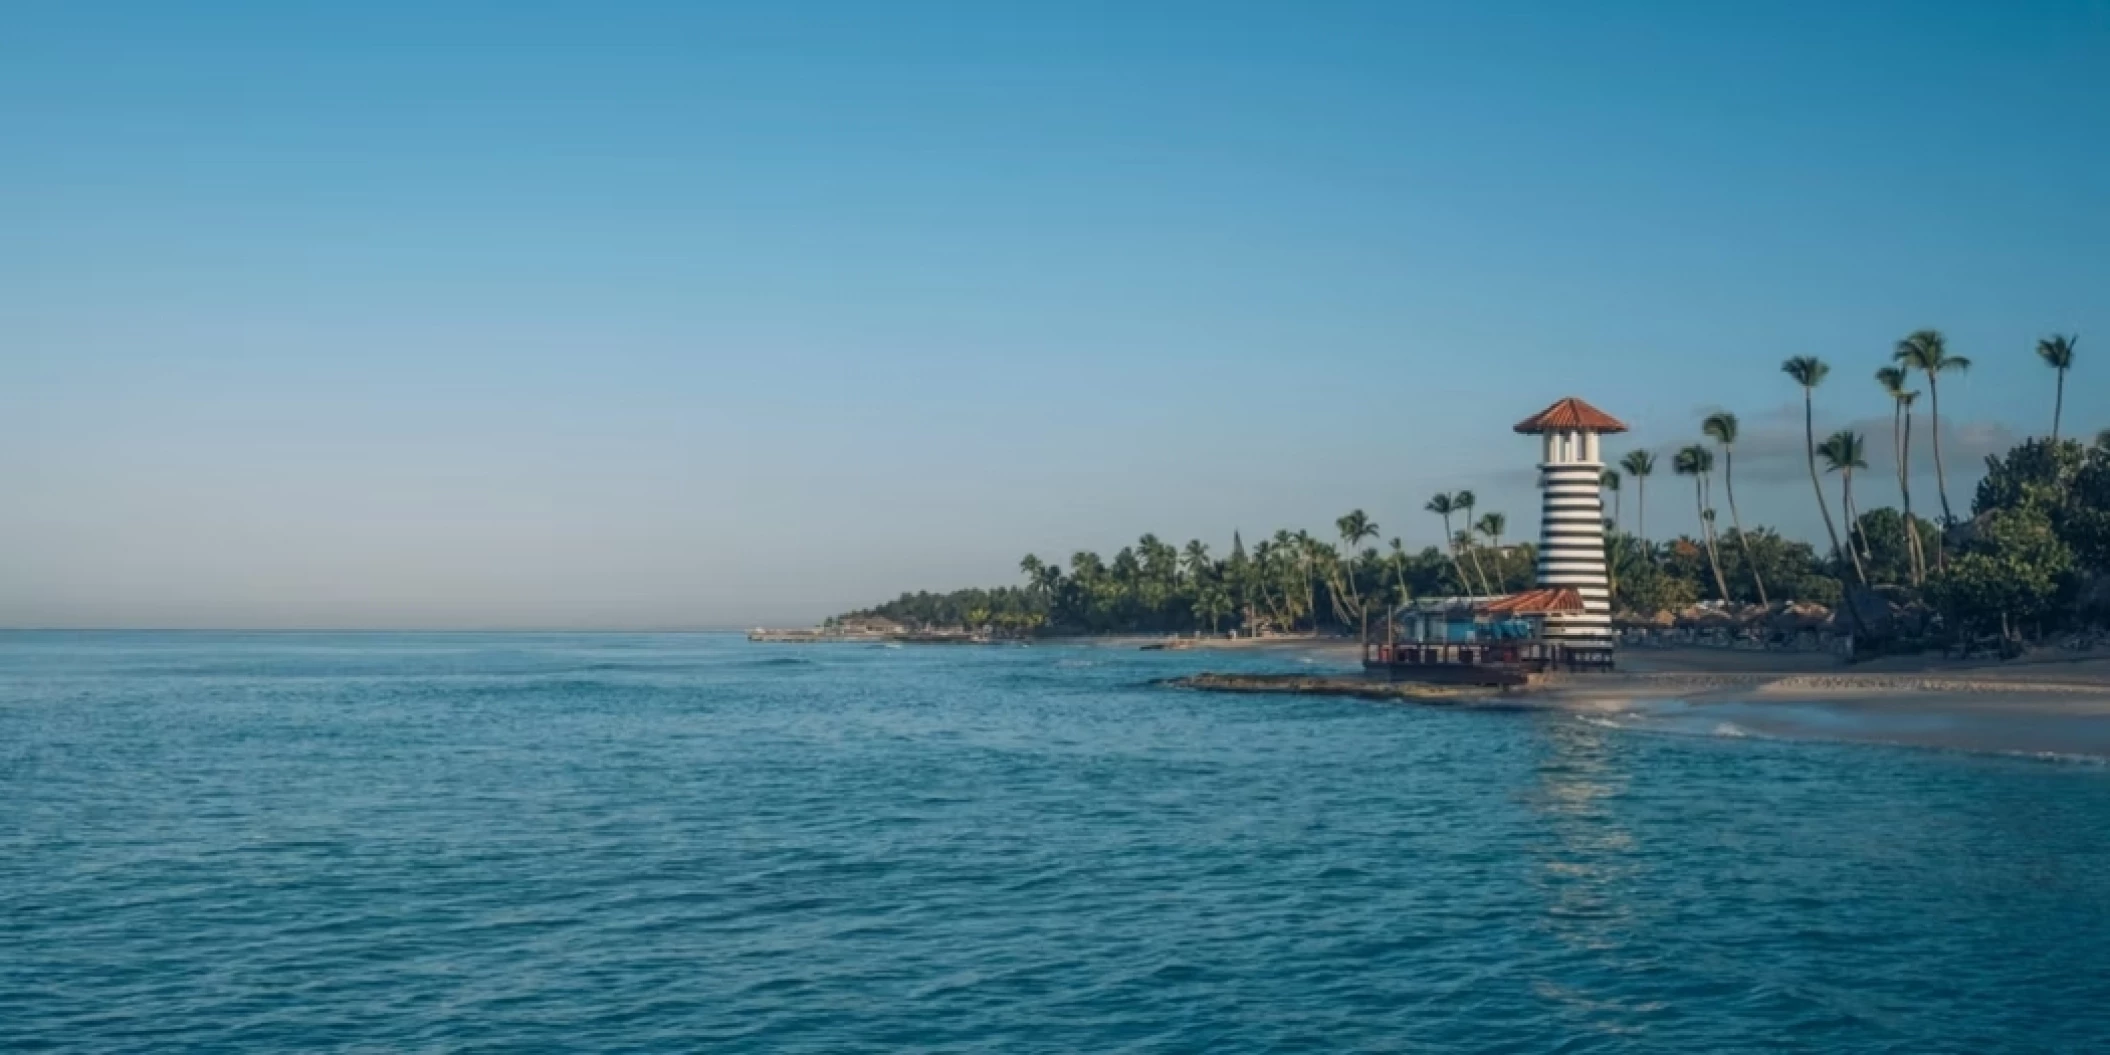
{"x": 1505, "y": 640}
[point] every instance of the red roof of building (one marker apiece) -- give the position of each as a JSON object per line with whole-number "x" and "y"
{"x": 1537, "y": 602}
{"x": 1571, "y": 413}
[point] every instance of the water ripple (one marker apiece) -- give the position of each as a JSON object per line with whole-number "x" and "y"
{"x": 669, "y": 842}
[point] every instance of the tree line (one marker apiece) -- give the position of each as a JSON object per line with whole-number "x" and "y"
{"x": 2030, "y": 558}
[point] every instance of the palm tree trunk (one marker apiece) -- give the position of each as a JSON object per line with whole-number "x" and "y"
{"x": 1941, "y": 475}
{"x": 1857, "y": 530}
{"x": 1809, "y": 443}
{"x": 1641, "y": 512}
{"x": 1917, "y": 550}
{"x": 1736, "y": 520}
{"x": 1897, "y": 450}
{"x": 2058, "y": 405}
{"x": 1714, "y": 561}
{"x": 1450, "y": 542}
{"x": 1846, "y": 503}
{"x": 1355, "y": 596}
{"x": 1478, "y": 568}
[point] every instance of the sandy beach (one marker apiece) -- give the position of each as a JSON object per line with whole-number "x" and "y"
{"x": 2052, "y": 704}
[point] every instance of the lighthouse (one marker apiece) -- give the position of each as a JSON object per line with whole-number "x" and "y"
{"x": 1571, "y": 523}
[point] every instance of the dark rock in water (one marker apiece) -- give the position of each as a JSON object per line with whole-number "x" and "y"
{"x": 1355, "y": 685}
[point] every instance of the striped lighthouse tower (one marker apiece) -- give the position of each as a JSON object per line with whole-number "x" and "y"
{"x": 1571, "y": 526}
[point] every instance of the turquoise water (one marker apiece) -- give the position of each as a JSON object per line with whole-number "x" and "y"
{"x": 659, "y": 843}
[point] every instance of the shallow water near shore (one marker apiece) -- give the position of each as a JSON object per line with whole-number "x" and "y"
{"x": 2080, "y": 738}
{"x": 689, "y": 842}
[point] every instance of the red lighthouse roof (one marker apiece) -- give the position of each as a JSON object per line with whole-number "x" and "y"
{"x": 1571, "y": 414}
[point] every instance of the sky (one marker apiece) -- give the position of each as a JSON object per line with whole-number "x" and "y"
{"x": 670, "y": 315}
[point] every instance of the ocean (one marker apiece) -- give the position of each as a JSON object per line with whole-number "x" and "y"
{"x": 687, "y": 842}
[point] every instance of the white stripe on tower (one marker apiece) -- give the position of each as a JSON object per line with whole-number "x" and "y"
{"x": 1571, "y": 549}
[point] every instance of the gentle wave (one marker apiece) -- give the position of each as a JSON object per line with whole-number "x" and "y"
{"x": 674, "y": 843}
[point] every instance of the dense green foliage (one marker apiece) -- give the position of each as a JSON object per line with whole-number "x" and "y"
{"x": 2036, "y": 552}
{"x": 1287, "y": 581}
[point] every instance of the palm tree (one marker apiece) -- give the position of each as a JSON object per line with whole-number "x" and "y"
{"x": 1697, "y": 461}
{"x": 1444, "y": 505}
{"x": 2057, "y": 353}
{"x": 1399, "y": 569}
{"x": 1809, "y": 371}
{"x": 1722, "y": 428}
{"x": 1465, "y": 501}
{"x": 1304, "y": 549}
{"x": 1463, "y": 541}
{"x": 1492, "y": 525}
{"x": 1317, "y": 555}
{"x": 1928, "y": 351}
{"x": 1212, "y": 602}
{"x": 2102, "y": 439}
{"x": 1842, "y": 452}
{"x": 1892, "y": 378}
{"x": 1354, "y": 528}
{"x": 1195, "y": 559}
{"x": 1638, "y": 464}
{"x": 1263, "y": 572}
{"x": 1609, "y": 480}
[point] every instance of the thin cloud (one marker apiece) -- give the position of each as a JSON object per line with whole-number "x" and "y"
{"x": 1770, "y": 447}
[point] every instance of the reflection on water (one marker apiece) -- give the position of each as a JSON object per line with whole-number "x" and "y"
{"x": 1584, "y": 869}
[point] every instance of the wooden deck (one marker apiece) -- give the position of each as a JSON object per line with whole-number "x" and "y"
{"x": 1482, "y": 663}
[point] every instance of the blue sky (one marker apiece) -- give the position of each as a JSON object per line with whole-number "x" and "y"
{"x": 605, "y": 315}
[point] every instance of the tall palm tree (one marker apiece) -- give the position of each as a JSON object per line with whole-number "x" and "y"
{"x": 1307, "y": 550}
{"x": 1722, "y": 428}
{"x": 1809, "y": 372}
{"x": 1843, "y": 452}
{"x": 1927, "y": 351}
{"x": 1261, "y": 573}
{"x": 1399, "y": 569}
{"x": 1638, "y": 464}
{"x": 1444, "y": 505}
{"x": 1465, "y": 501}
{"x": 1609, "y": 480}
{"x": 2057, "y": 353}
{"x": 1354, "y": 528}
{"x": 1463, "y": 541}
{"x": 1697, "y": 461}
{"x": 1892, "y": 378}
{"x": 1492, "y": 526}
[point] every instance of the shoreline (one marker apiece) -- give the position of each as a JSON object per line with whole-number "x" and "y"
{"x": 2050, "y": 708}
